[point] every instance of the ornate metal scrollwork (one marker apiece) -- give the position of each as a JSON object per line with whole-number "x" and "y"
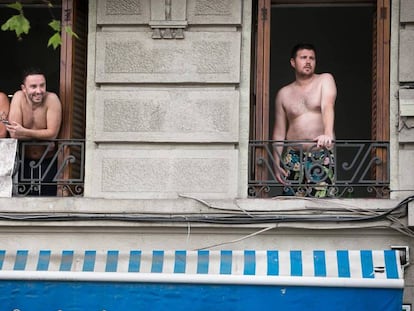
{"x": 58, "y": 168}
{"x": 349, "y": 169}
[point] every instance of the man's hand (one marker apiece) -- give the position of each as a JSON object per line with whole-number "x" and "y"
{"x": 281, "y": 175}
{"x": 324, "y": 141}
{"x": 15, "y": 129}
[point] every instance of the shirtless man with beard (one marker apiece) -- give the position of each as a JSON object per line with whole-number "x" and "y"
{"x": 36, "y": 114}
{"x": 304, "y": 111}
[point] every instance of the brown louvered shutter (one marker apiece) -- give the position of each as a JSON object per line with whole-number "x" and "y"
{"x": 73, "y": 79}
{"x": 260, "y": 112}
{"x": 73, "y": 69}
{"x": 380, "y": 84}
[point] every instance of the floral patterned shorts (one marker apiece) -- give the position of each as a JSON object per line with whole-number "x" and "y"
{"x": 310, "y": 173}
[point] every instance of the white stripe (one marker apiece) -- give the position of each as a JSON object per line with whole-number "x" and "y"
{"x": 261, "y": 263}
{"x": 77, "y": 264}
{"x": 32, "y": 260}
{"x": 284, "y": 263}
{"x": 123, "y": 262}
{"x": 308, "y": 268}
{"x": 237, "y": 264}
{"x": 146, "y": 262}
{"x": 214, "y": 263}
{"x": 379, "y": 265}
{"x": 100, "y": 261}
{"x": 191, "y": 263}
{"x": 9, "y": 260}
{"x": 55, "y": 260}
{"x": 169, "y": 262}
{"x": 355, "y": 264}
{"x": 331, "y": 261}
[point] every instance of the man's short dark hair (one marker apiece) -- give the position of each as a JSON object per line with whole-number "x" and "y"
{"x": 31, "y": 71}
{"x": 302, "y": 46}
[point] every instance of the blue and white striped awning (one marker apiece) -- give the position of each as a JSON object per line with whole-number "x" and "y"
{"x": 276, "y": 277}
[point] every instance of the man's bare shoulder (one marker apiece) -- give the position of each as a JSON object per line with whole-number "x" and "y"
{"x": 18, "y": 98}
{"x": 285, "y": 90}
{"x": 326, "y": 77}
{"x": 52, "y": 99}
{"x": 3, "y": 98}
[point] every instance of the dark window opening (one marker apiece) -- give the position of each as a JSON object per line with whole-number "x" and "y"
{"x": 352, "y": 41}
{"x": 65, "y": 70}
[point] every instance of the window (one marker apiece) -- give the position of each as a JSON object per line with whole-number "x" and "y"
{"x": 352, "y": 39}
{"x": 65, "y": 67}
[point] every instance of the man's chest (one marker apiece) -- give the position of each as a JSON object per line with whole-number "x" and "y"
{"x": 34, "y": 118}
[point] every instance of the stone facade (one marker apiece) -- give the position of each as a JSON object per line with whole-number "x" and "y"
{"x": 168, "y": 104}
{"x": 166, "y": 73}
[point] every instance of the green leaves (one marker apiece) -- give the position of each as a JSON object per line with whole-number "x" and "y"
{"x": 56, "y": 39}
{"x": 69, "y": 30}
{"x": 55, "y": 25}
{"x": 17, "y": 23}
{"x": 17, "y": 6}
{"x": 20, "y": 25}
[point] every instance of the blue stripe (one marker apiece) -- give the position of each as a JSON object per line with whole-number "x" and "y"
{"x": 272, "y": 263}
{"x": 111, "y": 261}
{"x": 367, "y": 265}
{"x": 21, "y": 259}
{"x": 343, "y": 264}
{"x": 2, "y": 255}
{"x": 225, "y": 262}
{"x": 202, "y": 261}
{"x": 44, "y": 259}
{"x": 296, "y": 263}
{"x": 134, "y": 261}
{"x": 157, "y": 261}
{"x": 180, "y": 261}
{"x": 249, "y": 262}
{"x": 391, "y": 264}
{"x": 67, "y": 259}
{"x": 319, "y": 263}
{"x": 89, "y": 261}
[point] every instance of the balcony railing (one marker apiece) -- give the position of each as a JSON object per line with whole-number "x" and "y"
{"x": 359, "y": 169}
{"x": 49, "y": 168}
{"x": 348, "y": 169}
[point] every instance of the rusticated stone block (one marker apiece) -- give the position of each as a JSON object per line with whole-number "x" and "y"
{"x": 407, "y": 11}
{"x": 406, "y": 97}
{"x": 174, "y": 115}
{"x": 127, "y": 57}
{"x": 207, "y": 12}
{"x": 406, "y": 64}
{"x": 406, "y": 170}
{"x": 165, "y": 173}
{"x": 123, "y": 12}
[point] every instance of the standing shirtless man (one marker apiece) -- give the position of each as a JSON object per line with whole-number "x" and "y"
{"x": 304, "y": 111}
{"x": 36, "y": 114}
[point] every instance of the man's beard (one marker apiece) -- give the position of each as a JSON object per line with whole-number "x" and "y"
{"x": 36, "y": 99}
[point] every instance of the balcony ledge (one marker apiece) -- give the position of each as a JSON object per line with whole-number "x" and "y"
{"x": 184, "y": 204}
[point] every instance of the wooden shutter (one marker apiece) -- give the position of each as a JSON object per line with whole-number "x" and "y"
{"x": 73, "y": 69}
{"x": 381, "y": 84}
{"x": 260, "y": 119}
{"x": 73, "y": 79}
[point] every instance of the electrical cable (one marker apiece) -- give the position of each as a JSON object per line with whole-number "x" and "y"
{"x": 353, "y": 215}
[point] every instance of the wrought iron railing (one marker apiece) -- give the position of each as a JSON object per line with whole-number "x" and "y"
{"x": 49, "y": 168}
{"x": 348, "y": 169}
